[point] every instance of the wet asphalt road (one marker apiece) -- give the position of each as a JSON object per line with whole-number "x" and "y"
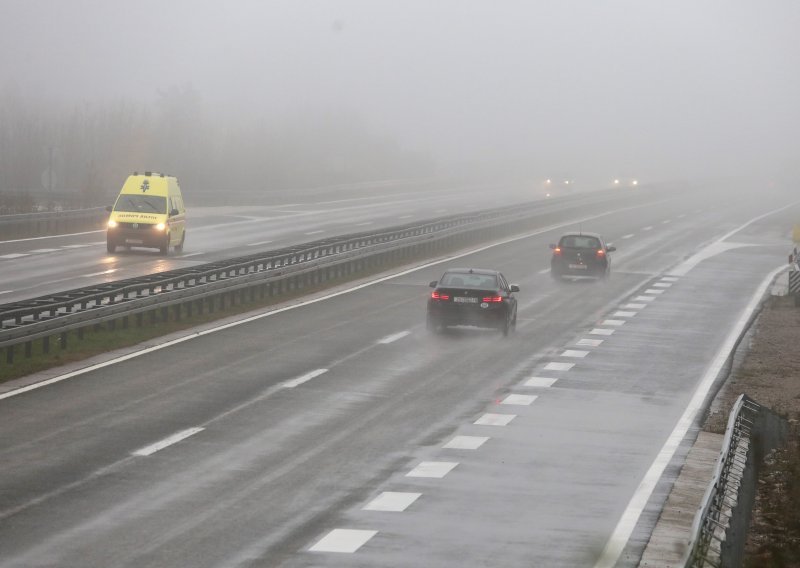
{"x": 39, "y": 266}
{"x": 265, "y": 443}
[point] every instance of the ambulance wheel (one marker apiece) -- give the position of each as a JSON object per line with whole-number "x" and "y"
{"x": 179, "y": 246}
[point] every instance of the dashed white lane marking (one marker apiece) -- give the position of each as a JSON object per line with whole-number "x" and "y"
{"x": 41, "y": 251}
{"x": 109, "y": 271}
{"x": 589, "y": 342}
{"x": 14, "y": 255}
{"x": 436, "y": 470}
{"x": 612, "y": 322}
{"x": 622, "y": 532}
{"x": 519, "y": 399}
{"x": 192, "y": 254}
{"x": 174, "y": 439}
{"x": 623, "y": 314}
{"x": 634, "y": 306}
{"x": 574, "y": 353}
{"x": 490, "y": 419}
{"x": 6, "y": 291}
{"x": 545, "y": 271}
{"x": 601, "y": 331}
{"x": 98, "y": 243}
{"x": 647, "y": 228}
{"x": 558, "y": 366}
{"x": 644, "y": 298}
{"x": 630, "y": 236}
{"x": 343, "y": 540}
{"x": 653, "y": 291}
{"x": 394, "y": 337}
{"x": 392, "y": 501}
{"x": 666, "y": 222}
{"x": 364, "y": 224}
{"x": 662, "y": 285}
{"x": 441, "y": 210}
{"x": 466, "y": 442}
{"x": 669, "y": 279}
{"x": 75, "y": 246}
{"x": 543, "y": 382}
{"x": 682, "y": 215}
{"x": 259, "y": 243}
{"x": 315, "y": 232}
{"x": 405, "y": 216}
{"x": 303, "y": 378}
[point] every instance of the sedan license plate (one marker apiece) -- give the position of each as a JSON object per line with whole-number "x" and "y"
{"x": 577, "y": 267}
{"x": 465, "y": 300}
{"x": 133, "y": 241}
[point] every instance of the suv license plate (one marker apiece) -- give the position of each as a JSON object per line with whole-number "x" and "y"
{"x": 133, "y": 241}
{"x": 577, "y": 266}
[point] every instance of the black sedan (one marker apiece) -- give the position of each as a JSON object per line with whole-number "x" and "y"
{"x": 473, "y": 297}
{"x": 581, "y": 254}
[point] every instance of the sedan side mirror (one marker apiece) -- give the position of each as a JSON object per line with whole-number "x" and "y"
{"x": 611, "y": 248}
{"x": 109, "y": 208}
{"x": 514, "y": 288}
{"x": 433, "y": 284}
{"x": 552, "y": 246}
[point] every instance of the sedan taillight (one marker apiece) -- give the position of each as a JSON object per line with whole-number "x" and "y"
{"x": 493, "y": 299}
{"x": 436, "y": 295}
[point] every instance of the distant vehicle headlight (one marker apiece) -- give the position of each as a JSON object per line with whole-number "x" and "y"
{"x": 112, "y": 224}
{"x": 160, "y": 227}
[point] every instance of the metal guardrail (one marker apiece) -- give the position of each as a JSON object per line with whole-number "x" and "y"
{"x": 713, "y": 519}
{"x": 274, "y": 272}
{"x": 719, "y": 530}
{"x": 51, "y": 222}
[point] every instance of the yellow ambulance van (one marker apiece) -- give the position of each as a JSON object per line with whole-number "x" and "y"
{"x": 149, "y": 212}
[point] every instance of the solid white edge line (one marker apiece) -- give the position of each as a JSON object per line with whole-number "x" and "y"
{"x": 53, "y": 237}
{"x": 249, "y": 319}
{"x": 166, "y": 442}
{"x": 303, "y": 378}
{"x": 622, "y": 532}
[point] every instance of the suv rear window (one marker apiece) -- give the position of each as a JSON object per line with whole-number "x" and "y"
{"x": 579, "y": 241}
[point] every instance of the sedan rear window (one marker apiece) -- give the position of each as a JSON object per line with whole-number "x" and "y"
{"x": 579, "y": 241}
{"x": 464, "y": 280}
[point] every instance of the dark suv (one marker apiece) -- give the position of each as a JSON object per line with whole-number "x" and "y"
{"x": 581, "y": 254}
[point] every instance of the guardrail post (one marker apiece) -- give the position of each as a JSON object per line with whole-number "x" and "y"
{"x": 10, "y": 355}
{"x": 46, "y": 344}
{"x": 63, "y": 340}
{"x": 28, "y": 349}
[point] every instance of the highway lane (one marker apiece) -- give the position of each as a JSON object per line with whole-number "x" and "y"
{"x": 287, "y": 453}
{"x": 33, "y": 267}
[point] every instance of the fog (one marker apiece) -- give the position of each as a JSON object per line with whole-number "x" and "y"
{"x": 297, "y": 93}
